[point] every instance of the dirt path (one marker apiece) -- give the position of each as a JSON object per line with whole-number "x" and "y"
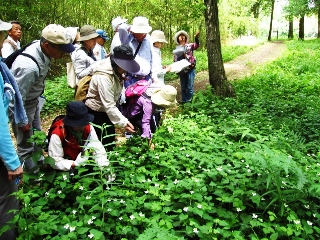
{"x": 241, "y": 66}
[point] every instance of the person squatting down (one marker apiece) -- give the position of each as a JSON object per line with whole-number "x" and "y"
{"x": 73, "y": 136}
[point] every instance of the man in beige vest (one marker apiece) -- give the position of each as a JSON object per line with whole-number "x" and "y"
{"x": 12, "y": 42}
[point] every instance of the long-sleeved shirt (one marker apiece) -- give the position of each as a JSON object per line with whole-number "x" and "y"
{"x": 99, "y": 52}
{"x": 115, "y": 41}
{"x": 30, "y": 81}
{"x": 7, "y": 152}
{"x": 104, "y": 91}
{"x": 83, "y": 64}
{"x": 189, "y": 48}
{"x": 144, "y": 56}
{"x": 157, "y": 70}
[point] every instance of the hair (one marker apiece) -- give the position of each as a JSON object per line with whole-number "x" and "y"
{"x": 16, "y": 22}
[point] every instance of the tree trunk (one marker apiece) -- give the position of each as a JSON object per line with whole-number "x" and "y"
{"x": 301, "y": 28}
{"x": 217, "y": 74}
{"x": 318, "y": 36}
{"x": 290, "y": 33}
{"x": 271, "y": 19}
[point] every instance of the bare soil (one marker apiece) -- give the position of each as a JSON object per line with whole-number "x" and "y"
{"x": 238, "y": 68}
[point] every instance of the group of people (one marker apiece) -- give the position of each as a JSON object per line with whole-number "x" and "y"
{"x": 134, "y": 55}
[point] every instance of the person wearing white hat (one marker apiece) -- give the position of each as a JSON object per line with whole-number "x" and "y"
{"x": 184, "y": 50}
{"x": 144, "y": 110}
{"x": 116, "y": 22}
{"x": 159, "y": 71}
{"x": 10, "y": 166}
{"x": 30, "y": 75}
{"x": 83, "y": 59}
{"x": 138, "y": 38}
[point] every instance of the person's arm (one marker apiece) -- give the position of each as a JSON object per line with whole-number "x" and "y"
{"x": 124, "y": 33}
{"x": 83, "y": 64}
{"x": 55, "y": 150}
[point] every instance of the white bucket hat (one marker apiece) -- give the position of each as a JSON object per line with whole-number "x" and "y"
{"x": 117, "y": 21}
{"x": 87, "y": 32}
{"x": 166, "y": 96}
{"x": 182, "y": 32}
{"x": 158, "y": 36}
{"x": 5, "y": 26}
{"x": 140, "y": 25}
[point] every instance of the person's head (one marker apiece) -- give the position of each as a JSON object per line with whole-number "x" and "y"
{"x": 4, "y": 27}
{"x": 54, "y": 41}
{"x": 15, "y": 32}
{"x": 116, "y": 22}
{"x": 77, "y": 116}
{"x": 158, "y": 38}
{"x": 122, "y": 60}
{"x": 102, "y": 38}
{"x": 181, "y": 37}
{"x": 165, "y": 96}
{"x": 88, "y": 36}
{"x": 140, "y": 28}
{"x": 73, "y": 34}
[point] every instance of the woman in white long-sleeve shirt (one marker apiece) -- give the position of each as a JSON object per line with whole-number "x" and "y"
{"x": 83, "y": 59}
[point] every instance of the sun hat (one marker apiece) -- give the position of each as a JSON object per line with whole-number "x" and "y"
{"x": 123, "y": 57}
{"x": 140, "y": 25}
{"x": 182, "y": 32}
{"x": 57, "y": 34}
{"x": 5, "y": 26}
{"x": 102, "y": 34}
{"x": 158, "y": 36}
{"x": 77, "y": 114}
{"x": 87, "y": 32}
{"x": 117, "y": 21}
{"x": 72, "y": 33}
{"x": 166, "y": 96}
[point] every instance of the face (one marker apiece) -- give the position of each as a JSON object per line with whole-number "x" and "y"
{"x": 2, "y": 37}
{"x": 78, "y": 129}
{"x": 101, "y": 41}
{"x": 89, "y": 44}
{"x": 52, "y": 50}
{"x": 139, "y": 36}
{"x": 182, "y": 39}
{"x": 15, "y": 32}
{"x": 158, "y": 44}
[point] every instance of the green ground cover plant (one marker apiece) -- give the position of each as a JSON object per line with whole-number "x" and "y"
{"x": 234, "y": 168}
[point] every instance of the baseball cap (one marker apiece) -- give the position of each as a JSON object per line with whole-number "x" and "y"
{"x": 5, "y": 26}
{"x": 57, "y": 34}
{"x": 102, "y": 34}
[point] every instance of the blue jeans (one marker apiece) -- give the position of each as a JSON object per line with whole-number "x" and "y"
{"x": 186, "y": 83}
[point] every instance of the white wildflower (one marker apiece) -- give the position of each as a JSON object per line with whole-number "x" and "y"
{"x": 74, "y": 212}
{"x": 90, "y": 235}
{"x": 88, "y": 197}
{"x": 254, "y": 194}
{"x": 90, "y": 221}
{"x": 176, "y": 181}
{"x": 122, "y": 201}
{"x": 254, "y": 216}
{"x": 195, "y": 230}
{"x": 66, "y": 226}
{"x": 131, "y": 217}
{"x": 219, "y": 168}
{"x": 47, "y": 194}
{"x": 120, "y": 218}
{"x": 93, "y": 217}
{"x": 59, "y": 192}
{"x": 239, "y": 210}
{"x": 72, "y": 229}
{"x": 185, "y": 209}
{"x": 141, "y": 214}
{"x": 187, "y": 155}
{"x": 296, "y": 222}
{"x": 309, "y": 223}
{"x": 192, "y": 192}
{"x": 81, "y": 187}
{"x": 156, "y": 185}
{"x": 199, "y": 206}
{"x": 146, "y": 192}
{"x": 64, "y": 177}
{"x": 307, "y": 206}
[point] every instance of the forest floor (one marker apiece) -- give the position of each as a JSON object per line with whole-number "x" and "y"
{"x": 241, "y": 66}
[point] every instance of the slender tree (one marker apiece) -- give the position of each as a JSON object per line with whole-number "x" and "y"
{"x": 271, "y": 20}
{"x": 217, "y": 75}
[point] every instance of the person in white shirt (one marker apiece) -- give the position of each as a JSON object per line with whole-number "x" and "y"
{"x": 116, "y": 22}
{"x": 12, "y": 42}
{"x": 159, "y": 71}
{"x": 99, "y": 51}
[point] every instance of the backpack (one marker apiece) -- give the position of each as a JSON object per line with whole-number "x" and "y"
{"x": 12, "y": 57}
{"x": 136, "y": 89}
{"x": 57, "y": 122}
{"x": 82, "y": 88}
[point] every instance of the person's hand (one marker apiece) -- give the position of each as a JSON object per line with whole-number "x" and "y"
{"x": 168, "y": 68}
{"x": 16, "y": 173}
{"x": 25, "y": 128}
{"x": 197, "y": 34}
{"x": 129, "y": 128}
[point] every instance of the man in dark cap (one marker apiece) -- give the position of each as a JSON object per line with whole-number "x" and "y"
{"x": 72, "y": 136}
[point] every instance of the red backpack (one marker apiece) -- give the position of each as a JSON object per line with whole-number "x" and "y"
{"x": 136, "y": 89}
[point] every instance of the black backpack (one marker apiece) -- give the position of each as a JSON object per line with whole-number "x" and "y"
{"x": 12, "y": 57}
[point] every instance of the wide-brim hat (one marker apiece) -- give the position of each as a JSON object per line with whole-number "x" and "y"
{"x": 57, "y": 34}
{"x": 87, "y": 32}
{"x": 140, "y": 25}
{"x": 166, "y": 96}
{"x": 5, "y": 26}
{"x": 117, "y": 21}
{"x": 123, "y": 57}
{"x": 158, "y": 36}
{"x": 77, "y": 115}
{"x": 182, "y": 32}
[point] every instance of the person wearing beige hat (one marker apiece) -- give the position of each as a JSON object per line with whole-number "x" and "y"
{"x": 30, "y": 76}
{"x": 138, "y": 38}
{"x": 184, "y": 50}
{"x": 145, "y": 111}
{"x": 83, "y": 58}
{"x": 10, "y": 166}
{"x": 159, "y": 71}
